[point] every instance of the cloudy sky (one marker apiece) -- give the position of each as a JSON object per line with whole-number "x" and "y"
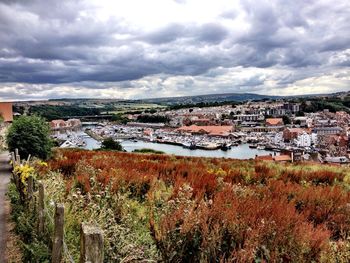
{"x": 157, "y": 48}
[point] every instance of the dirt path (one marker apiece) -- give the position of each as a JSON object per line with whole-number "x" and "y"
{"x": 4, "y": 180}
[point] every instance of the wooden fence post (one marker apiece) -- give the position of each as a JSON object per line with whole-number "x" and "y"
{"x": 91, "y": 244}
{"x": 30, "y": 186}
{"x": 57, "y": 247}
{"x": 13, "y": 159}
{"x": 18, "y": 157}
{"x": 41, "y": 208}
{"x": 15, "y": 177}
{"x": 28, "y": 159}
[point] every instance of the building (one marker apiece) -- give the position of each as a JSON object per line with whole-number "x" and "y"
{"x": 291, "y": 107}
{"x": 6, "y": 111}
{"x": 73, "y": 123}
{"x": 249, "y": 117}
{"x": 209, "y": 130}
{"x": 303, "y": 140}
{"x": 283, "y": 158}
{"x": 274, "y": 122}
{"x": 290, "y": 134}
{"x": 328, "y": 130}
{"x": 58, "y": 124}
{"x": 61, "y": 124}
{"x": 302, "y": 121}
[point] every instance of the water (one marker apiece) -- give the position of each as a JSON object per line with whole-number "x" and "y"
{"x": 239, "y": 152}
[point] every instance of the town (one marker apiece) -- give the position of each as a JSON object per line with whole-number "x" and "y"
{"x": 278, "y": 126}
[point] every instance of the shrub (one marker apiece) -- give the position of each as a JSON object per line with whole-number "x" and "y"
{"x": 146, "y": 150}
{"x": 110, "y": 144}
{"x": 236, "y": 228}
{"x": 30, "y": 135}
{"x": 208, "y": 210}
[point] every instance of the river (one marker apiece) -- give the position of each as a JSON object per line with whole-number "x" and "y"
{"x": 239, "y": 152}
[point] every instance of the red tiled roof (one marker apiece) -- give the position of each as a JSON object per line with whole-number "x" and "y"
{"x": 264, "y": 158}
{"x": 6, "y": 111}
{"x": 212, "y": 130}
{"x": 274, "y": 121}
{"x": 298, "y": 130}
{"x": 282, "y": 158}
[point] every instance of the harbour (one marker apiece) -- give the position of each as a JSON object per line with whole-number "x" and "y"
{"x": 81, "y": 138}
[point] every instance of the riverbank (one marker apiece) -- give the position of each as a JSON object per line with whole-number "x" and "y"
{"x": 93, "y": 135}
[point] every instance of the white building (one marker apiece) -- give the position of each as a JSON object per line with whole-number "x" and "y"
{"x": 303, "y": 140}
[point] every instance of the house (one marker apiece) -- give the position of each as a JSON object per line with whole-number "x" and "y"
{"x": 264, "y": 157}
{"x": 328, "y": 130}
{"x": 283, "y": 158}
{"x": 58, "y": 124}
{"x": 278, "y": 158}
{"x": 249, "y": 117}
{"x": 6, "y": 111}
{"x": 304, "y": 139}
{"x": 274, "y": 122}
{"x": 73, "y": 123}
{"x": 301, "y": 121}
{"x": 290, "y": 134}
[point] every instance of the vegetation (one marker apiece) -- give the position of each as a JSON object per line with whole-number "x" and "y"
{"x": 119, "y": 118}
{"x": 146, "y": 150}
{"x": 204, "y": 105}
{"x": 152, "y": 119}
{"x": 30, "y": 135}
{"x": 34, "y": 248}
{"x": 111, "y": 144}
{"x": 50, "y": 112}
{"x": 179, "y": 209}
{"x": 333, "y": 104}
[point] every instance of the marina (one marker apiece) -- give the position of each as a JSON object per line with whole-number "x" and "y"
{"x": 81, "y": 138}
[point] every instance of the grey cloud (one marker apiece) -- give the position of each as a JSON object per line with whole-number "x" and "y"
{"x": 165, "y": 35}
{"x": 212, "y": 33}
{"x": 50, "y": 42}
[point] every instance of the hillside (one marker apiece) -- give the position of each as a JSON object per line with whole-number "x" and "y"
{"x": 239, "y": 97}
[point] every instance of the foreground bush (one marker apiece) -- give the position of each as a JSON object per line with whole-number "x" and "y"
{"x": 235, "y": 227}
{"x": 30, "y": 135}
{"x": 204, "y": 210}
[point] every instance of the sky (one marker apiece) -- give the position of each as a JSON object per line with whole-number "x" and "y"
{"x": 162, "y": 48}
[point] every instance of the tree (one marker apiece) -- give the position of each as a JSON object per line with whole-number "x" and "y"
{"x": 110, "y": 144}
{"x": 30, "y": 135}
{"x": 286, "y": 119}
{"x": 300, "y": 114}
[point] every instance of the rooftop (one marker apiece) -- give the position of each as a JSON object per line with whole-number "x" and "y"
{"x": 274, "y": 121}
{"x": 212, "y": 130}
{"x": 6, "y": 111}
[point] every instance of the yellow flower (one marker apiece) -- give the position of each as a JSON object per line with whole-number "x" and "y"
{"x": 42, "y": 163}
{"x": 24, "y": 172}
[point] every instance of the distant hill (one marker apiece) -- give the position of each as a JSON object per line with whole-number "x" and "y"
{"x": 209, "y": 98}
